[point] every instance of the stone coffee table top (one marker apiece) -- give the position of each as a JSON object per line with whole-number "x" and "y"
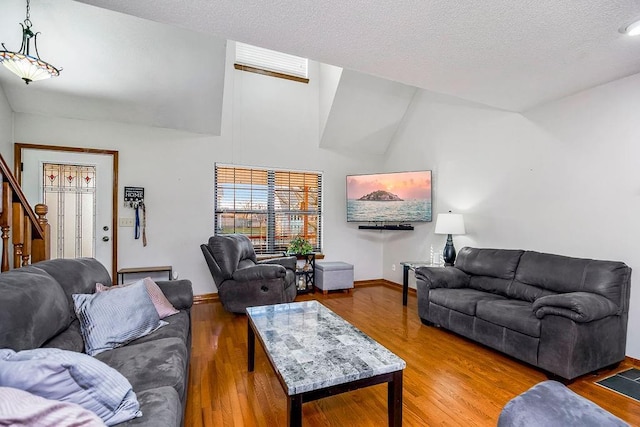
{"x": 311, "y": 347}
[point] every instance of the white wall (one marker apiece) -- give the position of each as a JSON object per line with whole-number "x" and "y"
{"x": 329, "y": 78}
{"x": 6, "y": 129}
{"x": 365, "y": 113}
{"x": 563, "y": 178}
{"x": 266, "y": 122}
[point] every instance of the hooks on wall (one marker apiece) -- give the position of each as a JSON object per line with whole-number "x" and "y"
{"x": 134, "y": 198}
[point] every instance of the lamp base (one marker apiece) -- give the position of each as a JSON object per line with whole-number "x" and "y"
{"x": 449, "y": 252}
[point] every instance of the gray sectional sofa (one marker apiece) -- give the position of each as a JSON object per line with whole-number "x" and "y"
{"x": 36, "y": 310}
{"x": 567, "y": 316}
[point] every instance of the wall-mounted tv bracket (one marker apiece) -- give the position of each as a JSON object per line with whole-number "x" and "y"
{"x": 134, "y": 198}
{"x": 383, "y": 226}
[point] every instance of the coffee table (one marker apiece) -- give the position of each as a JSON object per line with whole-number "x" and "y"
{"x": 315, "y": 354}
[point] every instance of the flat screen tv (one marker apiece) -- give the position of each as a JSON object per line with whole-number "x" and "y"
{"x": 389, "y": 197}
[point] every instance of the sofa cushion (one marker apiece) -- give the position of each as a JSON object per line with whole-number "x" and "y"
{"x": 500, "y": 263}
{"x": 71, "y": 377}
{"x": 490, "y": 284}
{"x": 19, "y": 408}
{"x": 530, "y": 293}
{"x": 158, "y": 363}
{"x": 111, "y": 319}
{"x": 69, "y": 339}
{"x": 177, "y": 327}
{"x": 512, "y": 314}
{"x": 463, "y": 300}
{"x": 33, "y": 308}
{"x": 561, "y": 274}
{"x": 160, "y": 407}
{"x": 553, "y": 272}
{"x": 76, "y": 276}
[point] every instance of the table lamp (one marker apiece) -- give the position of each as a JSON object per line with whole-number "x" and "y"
{"x": 449, "y": 223}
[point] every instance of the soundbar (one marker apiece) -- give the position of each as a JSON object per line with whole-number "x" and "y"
{"x": 386, "y": 227}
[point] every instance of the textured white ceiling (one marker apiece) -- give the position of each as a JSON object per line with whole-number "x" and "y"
{"x": 117, "y": 67}
{"x": 509, "y": 54}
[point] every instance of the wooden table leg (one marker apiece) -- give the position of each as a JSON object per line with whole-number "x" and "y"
{"x": 395, "y": 400}
{"x": 251, "y": 346}
{"x": 294, "y": 410}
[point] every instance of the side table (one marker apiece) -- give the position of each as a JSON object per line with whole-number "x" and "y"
{"x": 136, "y": 270}
{"x": 411, "y": 265}
{"x": 305, "y": 273}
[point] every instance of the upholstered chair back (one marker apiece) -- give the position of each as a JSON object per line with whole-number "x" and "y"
{"x": 226, "y": 254}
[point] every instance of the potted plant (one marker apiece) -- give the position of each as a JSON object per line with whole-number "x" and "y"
{"x": 300, "y": 246}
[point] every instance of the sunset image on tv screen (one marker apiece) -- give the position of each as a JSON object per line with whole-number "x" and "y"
{"x": 389, "y": 197}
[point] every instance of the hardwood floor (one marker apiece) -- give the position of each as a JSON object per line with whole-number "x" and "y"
{"x": 449, "y": 380}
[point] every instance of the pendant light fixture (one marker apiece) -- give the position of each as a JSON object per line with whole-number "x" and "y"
{"x": 26, "y": 63}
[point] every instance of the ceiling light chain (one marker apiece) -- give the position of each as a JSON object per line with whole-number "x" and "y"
{"x": 26, "y": 66}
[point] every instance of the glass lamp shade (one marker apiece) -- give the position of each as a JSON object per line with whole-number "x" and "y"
{"x": 449, "y": 223}
{"x": 28, "y": 68}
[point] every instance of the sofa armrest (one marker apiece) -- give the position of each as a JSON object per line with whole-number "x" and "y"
{"x": 259, "y": 272}
{"x": 580, "y": 307}
{"x": 178, "y": 292}
{"x": 439, "y": 277}
{"x": 288, "y": 262}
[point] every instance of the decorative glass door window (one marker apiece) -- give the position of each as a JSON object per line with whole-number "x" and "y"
{"x": 70, "y": 194}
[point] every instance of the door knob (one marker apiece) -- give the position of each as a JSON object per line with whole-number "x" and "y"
{"x": 105, "y": 228}
{"x": 105, "y": 238}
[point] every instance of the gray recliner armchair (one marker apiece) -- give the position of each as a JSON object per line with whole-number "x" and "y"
{"x": 244, "y": 282}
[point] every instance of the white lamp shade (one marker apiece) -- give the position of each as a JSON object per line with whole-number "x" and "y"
{"x": 450, "y": 223}
{"x": 27, "y": 67}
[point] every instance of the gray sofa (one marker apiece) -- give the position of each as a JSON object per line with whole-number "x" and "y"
{"x": 567, "y": 316}
{"x": 36, "y": 310}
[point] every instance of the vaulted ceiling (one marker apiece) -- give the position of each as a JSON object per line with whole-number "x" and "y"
{"x": 117, "y": 67}
{"x": 507, "y": 54}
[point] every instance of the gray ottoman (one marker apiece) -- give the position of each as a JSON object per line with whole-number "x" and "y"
{"x": 551, "y": 404}
{"x": 330, "y": 276}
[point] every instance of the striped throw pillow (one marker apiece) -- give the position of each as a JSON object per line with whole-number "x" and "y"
{"x": 21, "y": 409}
{"x": 112, "y": 319}
{"x": 161, "y": 303}
{"x": 73, "y": 377}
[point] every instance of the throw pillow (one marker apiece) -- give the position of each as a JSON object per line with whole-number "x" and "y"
{"x": 73, "y": 377}
{"x": 112, "y": 319}
{"x": 162, "y": 304}
{"x": 21, "y": 409}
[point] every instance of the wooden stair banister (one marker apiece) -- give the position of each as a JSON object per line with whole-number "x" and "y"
{"x": 30, "y": 234}
{"x": 41, "y": 248}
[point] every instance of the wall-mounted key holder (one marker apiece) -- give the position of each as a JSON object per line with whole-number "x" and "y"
{"x": 133, "y": 196}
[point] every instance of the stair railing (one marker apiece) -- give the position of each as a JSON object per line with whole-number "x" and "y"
{"x": 25, "y": 234}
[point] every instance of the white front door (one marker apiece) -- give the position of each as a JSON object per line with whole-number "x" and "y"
{"x": 99, "y": 216}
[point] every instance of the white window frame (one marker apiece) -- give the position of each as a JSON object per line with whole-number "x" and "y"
{"x": 270, "y": 62}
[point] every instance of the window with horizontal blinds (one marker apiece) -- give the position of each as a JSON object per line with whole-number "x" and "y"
{"x": 270, "y": 60}
{"x": 270, "y": 206}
